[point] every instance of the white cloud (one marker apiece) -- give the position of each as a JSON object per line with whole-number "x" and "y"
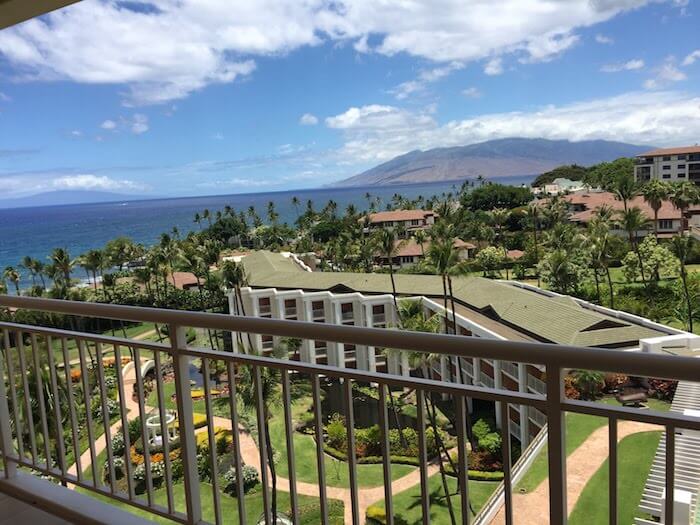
{"x": 76, "y": 133}
{"x": 471, "y": 92}
{"x": 139, "y": 124}
{"x": 630, "y": 65}
{"x": 307, "y": 119}
{"x": 4, "y": 97}
{"x": 93, "y": 182}
{"x": 665, "y": 75}
{"x": 603, "y": 39}
{"x": 165, "y": 50}
{"x": 691, "y": 58}
{"x": 378, "y": 133}
{"x": 494, "y": 66}
{"x": 218, "y": 136}
{"x": 425, "y": 77}
{"x": 108, "y": 125}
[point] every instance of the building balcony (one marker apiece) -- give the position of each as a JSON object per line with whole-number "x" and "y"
{"x": 142, "y": 423}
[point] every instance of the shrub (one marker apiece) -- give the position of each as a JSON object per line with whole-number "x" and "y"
{"x": 199, "y": 420}
{"x": 491, "y": 443}
{"x": 134, "y": 429}
{"x": 570, "y": 390}
{"x": 250, "y": 479}
{"x": 663, "y": 389}
{"x": 480, "y": 429}
{"x": 483, "y": 461}
{"x": 177, "y": 468}
{"x": 204, "y": 467}
{"x": 337, "y": 433}
{"x": 376, "y": 515}
{"x": 589, "y": 383}
{"x": 613, "y": 382}
{"x": 368, "y": 441}
{"x": 118, "y": 444}
{"x": 403, "y": 446}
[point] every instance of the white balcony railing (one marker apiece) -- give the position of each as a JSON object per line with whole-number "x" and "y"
{"x": 486, "y": 379}
{"x": 536, "y": 385}
{"x": 510, "y": 368}
{"x": 43, "y": 364}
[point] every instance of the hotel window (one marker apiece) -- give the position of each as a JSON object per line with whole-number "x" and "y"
{"x": 666, "y": 159}
{"x": 667, "y": 166}
{"x": 681, "y": 166}
{"x": 666, "y": 175}
{"x": 415, "y": 222}
{"x": 264, "y": 305}
{"x": 681, "y": 157}
{"x": 681, "y": 175}
{"x": 665, "y": 224}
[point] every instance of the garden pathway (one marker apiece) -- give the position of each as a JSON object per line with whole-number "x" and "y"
{"x": 251, "y": 456}
{"x": 582, "y": 463}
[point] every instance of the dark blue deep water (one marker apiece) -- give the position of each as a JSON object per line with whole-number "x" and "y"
{"x": 37, "y": 231}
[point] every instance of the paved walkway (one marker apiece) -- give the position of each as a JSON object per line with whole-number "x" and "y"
{"x": 582, "y": 463}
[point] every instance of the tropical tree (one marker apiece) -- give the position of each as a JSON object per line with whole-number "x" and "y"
{"x": 389, "y": 245}
{"x": 93, "y": 261}
{"x": 655, "y": 193}
{"x": 657, "y": 260}
{"x": 28, "y": 264}
{"x": 198, "y": 220}
{"x": 420, "y": 237}
{"x": 12, "y": 275}
{"x": 265, "y": 383}
{"x": 682, "y": 195}
{"x": 682, "y": 246}
{"x": 63, "y": 265}
{"x": 633, "y": 220}
{"x": 625, "y": 188}
{"x": 490, "y": 260}
{"x": 599, "y": 236}
{"x": 499, "y": 218}
{"x": 532, "y": 213}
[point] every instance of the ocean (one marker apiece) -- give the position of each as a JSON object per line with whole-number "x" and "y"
{"x": 81, "y": 227}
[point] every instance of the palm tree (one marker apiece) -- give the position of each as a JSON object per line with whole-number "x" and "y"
{"x": 500, "y": 217}
{"x": 625, "y": 188}
{"x": 599, "y": 232}
{"x": 63, "y": 264}
{"x": 682, "y": 246}
{"x": 169, "y": 251}
{"x": 682, "y": 195}
{"x": 93, "y": 261}
{"x": 198, "y": 220}
{"x": 265, "y": 383}
{"x": 295, "y": 204}
{"x": 12, "y": 275}
{"x": 272, "y": 214}
{"x": 389, "y": 245}
{"x": 632, "y": 221}
{"x": 655, "y": 193}
{"x": 533, "y": 215}
{"x": 420, "y": 238}
{"x": 206, "y": 214}
{"x": 28, "y": 264}
{"x": 38, "y": 268}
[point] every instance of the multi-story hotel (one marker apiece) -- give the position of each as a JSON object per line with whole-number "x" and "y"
{"x": 669, "y": 164}
{"x": 281, "y": 287}
{"x": 408, "y": 220}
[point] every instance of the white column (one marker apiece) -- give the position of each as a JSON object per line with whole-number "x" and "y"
{"x": 498, "y": 383}
{"x": 277, "y": 307}
{"x": 255, "y": 312}
{"x": 233, "y": 311}
{"x": 524, "y": 421}
{"x": 362, "y": 352}
{"x": 336, "y": 351}
{"x": 307, "y": 351}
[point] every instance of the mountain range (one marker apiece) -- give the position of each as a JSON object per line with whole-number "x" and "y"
{"x": 63, "y": 197}
{"x": 502, "y": 157}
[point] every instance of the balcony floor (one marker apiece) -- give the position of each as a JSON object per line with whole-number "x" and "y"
{"x": 16, "y": 511}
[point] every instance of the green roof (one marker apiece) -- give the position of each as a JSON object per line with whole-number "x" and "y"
{"x": 552, "y": 319}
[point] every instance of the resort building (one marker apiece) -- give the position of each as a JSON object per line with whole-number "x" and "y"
{"x": 408, "y": 220}
{"x": 669, "y": 164}
{"x": 410, "y": 252}
{"x": 558, "y": 186}
{"x": 584, "y": 204}
{"x": 281, "y": 288}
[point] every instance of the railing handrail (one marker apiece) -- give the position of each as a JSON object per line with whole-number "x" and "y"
{"x": 562, "y": 356}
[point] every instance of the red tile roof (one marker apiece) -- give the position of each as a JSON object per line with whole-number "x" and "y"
{"x": 411, "y": 248}
{"x": 671, "y": 151}
{"x": 400, "y": 215}
{"x": 184, "y": 279}
{"x": 593, "y": 200}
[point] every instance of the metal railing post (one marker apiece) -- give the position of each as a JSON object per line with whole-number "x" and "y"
{"x": 556, "y": 446}
{"x": 8, "y": 466}
{"x": 185, "y": 419}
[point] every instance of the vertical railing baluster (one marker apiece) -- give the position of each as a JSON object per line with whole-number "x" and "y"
{"x": 320, "y": 454}
{"x": 106, "y": 419}
{"x": 670, "y": 474}
{"x": 40, "y": 400}
{"x": 423, "y": 457}
{"x": 352, "y": 458}
{"x": 87, "y": 397}
{"x": 212, "y": 442}
{"x": 58, "y": 413}
{"x": 125, "y": 421}
{"x": 238, "y": 463}
{"x": 556, "y": 446}
{"x": 612, "y": 470}
{"x": 13, "y": 395}
{"x": 462, "y": 456}
{"x": 29, "y": 415}
{"x": 145, "y": 440}
{"x": 507, "y": 463}
{"x": 386, "y": 453}
{"x": 289, "y": 436}
{"x": 262, "y": 442}
{"x": 185, "y": 417}
{"x": 71, "y": 410}
{"x": 164, "y": 432}
{"x": 9, "y": 467}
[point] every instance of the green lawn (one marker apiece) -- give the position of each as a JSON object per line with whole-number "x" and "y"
{"x": 635, "y": 455}
{"x": 305, "y": 456}
{"x": 229, "y": 505}
{"x": 578, "y": 428}
{"x": 407, "y": 504}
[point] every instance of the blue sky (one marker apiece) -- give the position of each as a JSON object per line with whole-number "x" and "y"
{"x": 172, "y": 98}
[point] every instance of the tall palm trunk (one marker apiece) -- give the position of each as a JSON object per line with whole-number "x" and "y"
{"x": 610, "y": 287}
{"x": 688, "y": 302}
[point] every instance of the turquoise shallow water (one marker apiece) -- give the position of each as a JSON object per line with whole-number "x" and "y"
{"x": 36, "y": 231}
